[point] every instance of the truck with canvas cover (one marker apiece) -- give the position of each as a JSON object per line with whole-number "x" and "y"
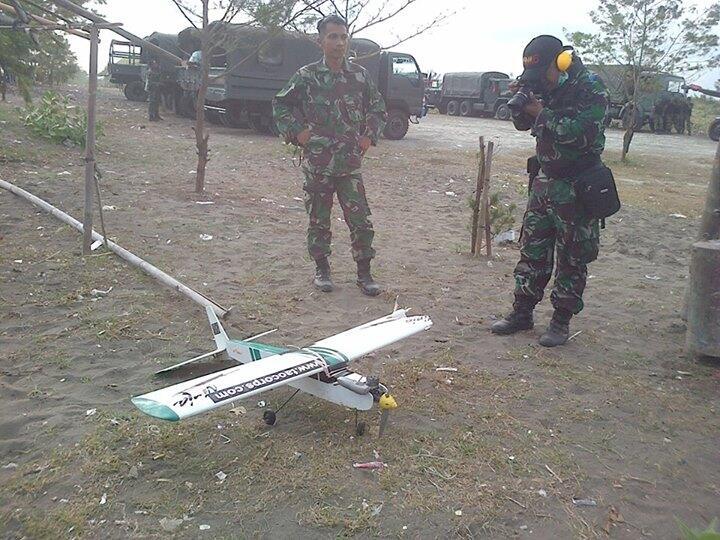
{"x": 125, "y": 69}
{"x": 253, "y": 65}
{"x": 662, "y": 104}
{"x": 471, "y": 93}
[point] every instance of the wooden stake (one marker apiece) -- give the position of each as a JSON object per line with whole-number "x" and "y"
{"x": 90, "y": 142}
{"x": 478, "y": 193}
{"x": 486, "y": 200}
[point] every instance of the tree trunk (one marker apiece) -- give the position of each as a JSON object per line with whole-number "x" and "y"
{"x": 710, "y": 226}
{"x": 703, "y": 317}
{"x": 627, "y": 139}
{"x": 201, "y": 137}
{"x": 703, "y": 294}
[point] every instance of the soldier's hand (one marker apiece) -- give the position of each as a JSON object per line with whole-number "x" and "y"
{"x": 303, "y": 137}
{"x": 534, "y": 107}
{"x": 364, "y": 143}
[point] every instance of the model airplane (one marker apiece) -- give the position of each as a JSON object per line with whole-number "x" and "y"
{"x": 320, "y": 369}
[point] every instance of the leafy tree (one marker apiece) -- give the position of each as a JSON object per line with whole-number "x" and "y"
{"x": 39, "y": 55}
{"x": 650, "y": 36}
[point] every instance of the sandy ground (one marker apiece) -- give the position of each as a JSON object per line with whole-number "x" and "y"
{"x": 500, "y": 448}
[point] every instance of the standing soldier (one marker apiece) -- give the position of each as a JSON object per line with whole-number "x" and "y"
{"x": 334, "y": 112}
{"x": 569, "y": 131}
{"x": 153, "y": 86}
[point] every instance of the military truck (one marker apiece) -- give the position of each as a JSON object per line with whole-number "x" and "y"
{"x": 124, "y": 68}
{"x": 254, "y": 66}
{"x": 662, "y": 103}
{"x": 127, "y": 64}
{"x": 471, "y": 93}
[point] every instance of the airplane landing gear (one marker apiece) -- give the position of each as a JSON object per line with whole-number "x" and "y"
{"x": 269, "y": 417}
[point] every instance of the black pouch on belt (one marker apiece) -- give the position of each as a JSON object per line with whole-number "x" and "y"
{"x": 596, "y": 192}
{"x": 533, "y": 169}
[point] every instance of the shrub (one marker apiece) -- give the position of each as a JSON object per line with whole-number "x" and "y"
{"x": 502, "y": 215}
{"x": 56, "y": 119}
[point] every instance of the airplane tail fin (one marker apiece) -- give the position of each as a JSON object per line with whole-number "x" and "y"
{"x": 219, "y": 335}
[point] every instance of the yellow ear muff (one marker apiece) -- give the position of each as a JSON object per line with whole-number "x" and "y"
{"x": 563, "y": 60}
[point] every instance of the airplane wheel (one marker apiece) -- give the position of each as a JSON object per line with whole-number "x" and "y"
{"x": 269, "y": 417}
{"x": 360, "y": 429}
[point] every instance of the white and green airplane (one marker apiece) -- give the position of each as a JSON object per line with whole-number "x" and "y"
{"x": 320, "y": 369}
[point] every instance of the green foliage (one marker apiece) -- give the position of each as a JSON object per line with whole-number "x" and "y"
{"x": 45, "y": 56}
{"x": 710, "y": 533}
{"x": 502, "y": 215}
{"x": 55, "y": 119}
{"x": 705, "y": 110}
{"x": 656, "y": 35}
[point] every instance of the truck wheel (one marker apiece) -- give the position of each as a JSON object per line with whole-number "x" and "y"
{"x": 397, "y": 125}
{"x": 452, "y": 107}
{"x": 264, "y": 124}
{"x": 714, "y": 131}
{"x": 466, "y": 108}
{"x": 134, "y": 91}
{"x": 234, "y": 118}
{"x": 503, "y": 112}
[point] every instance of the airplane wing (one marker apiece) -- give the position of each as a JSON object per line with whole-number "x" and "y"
{"x": 222, "y": 387}
{"x": 361, "y": 340}
{"x": 265, "y": 371}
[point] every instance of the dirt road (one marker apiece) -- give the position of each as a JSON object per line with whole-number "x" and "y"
{"x": 438, "y": 131}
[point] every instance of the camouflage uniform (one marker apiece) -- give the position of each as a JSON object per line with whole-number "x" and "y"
{"x": 153, "y": 88}
{"x": 570, "y": 138}
{"x": 338, "y": 108}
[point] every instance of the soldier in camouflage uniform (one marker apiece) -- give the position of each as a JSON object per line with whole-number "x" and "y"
{"x": 569, "y": 131}
{"x": 153, "y": 86}
{"x": 333, "y": 110}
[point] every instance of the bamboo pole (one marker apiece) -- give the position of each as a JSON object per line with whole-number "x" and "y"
{"x": 478, "y": 191}
{"x": 120, "y": 251}
{"x": 486, "y": 200}
{"x": 90, "y": 142}
{"x": 44, "y": 21}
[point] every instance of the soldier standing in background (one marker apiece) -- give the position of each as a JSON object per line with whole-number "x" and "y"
{"x": 153, "y": 86}
{"x": 334, "y": 112}
{"x": 568, "y": 126}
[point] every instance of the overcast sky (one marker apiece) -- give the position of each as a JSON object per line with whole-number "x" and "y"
{"x": 482, "y": 35}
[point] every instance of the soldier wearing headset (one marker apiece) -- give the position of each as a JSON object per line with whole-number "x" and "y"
{"x": 567, "y": 123}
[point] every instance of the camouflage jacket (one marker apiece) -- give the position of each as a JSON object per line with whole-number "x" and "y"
{"x": 570, "y": 130}
{"x": 338, "y": 108}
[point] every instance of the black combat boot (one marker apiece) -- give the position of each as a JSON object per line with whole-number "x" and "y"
{"x": 520, "y": 319}
{"x": 365, "y": 280}
{"x": 558, "y": 330}
{"x": 322, "y": 275}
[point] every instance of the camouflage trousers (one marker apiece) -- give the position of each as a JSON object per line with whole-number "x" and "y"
{"x": 154, "y": 102}
{"x": 554, "y": 222}
{"x": 319, "y": 190}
